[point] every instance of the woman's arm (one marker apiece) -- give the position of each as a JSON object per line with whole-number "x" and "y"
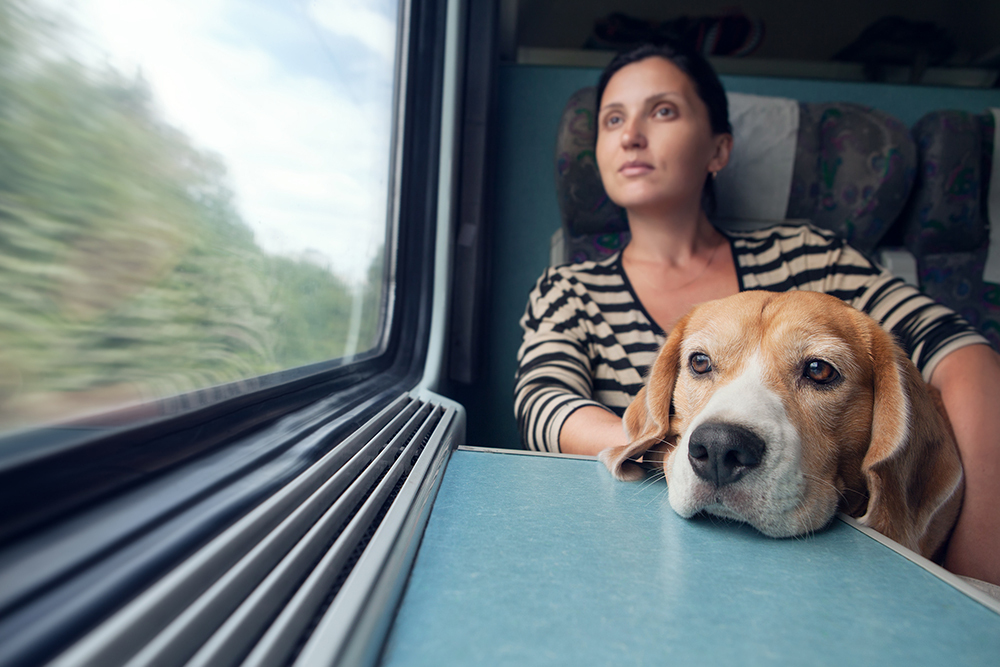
{"x": 969, "y": 382}
{"x": 553, "y": 379}
{"x": 589, "y": 430}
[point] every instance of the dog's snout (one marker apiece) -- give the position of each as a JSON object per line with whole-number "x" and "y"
{"x": 723, "y": 453}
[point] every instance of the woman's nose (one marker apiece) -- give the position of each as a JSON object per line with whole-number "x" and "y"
{"x": 633, "y": 136}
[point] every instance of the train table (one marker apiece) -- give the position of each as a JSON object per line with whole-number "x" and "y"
{"x": 547, "y": 559}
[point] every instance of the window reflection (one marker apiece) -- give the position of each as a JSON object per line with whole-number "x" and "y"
{"x": 192, "y": 192}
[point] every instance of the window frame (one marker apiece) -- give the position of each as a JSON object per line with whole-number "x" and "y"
{"x": 221, "y": 414}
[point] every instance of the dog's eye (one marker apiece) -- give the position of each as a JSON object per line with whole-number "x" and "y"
{"x": 821, "y": 372}
{"x": 700, "y": 363}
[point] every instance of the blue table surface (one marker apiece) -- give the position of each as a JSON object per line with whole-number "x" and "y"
{"x": 544, "y": 560}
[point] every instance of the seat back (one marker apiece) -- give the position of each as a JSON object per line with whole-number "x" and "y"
{"x": 946, "y": 224}
{"x": 846, "y": 167}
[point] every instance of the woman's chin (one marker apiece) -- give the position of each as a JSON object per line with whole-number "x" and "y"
{"x": 646, "y": 206}
{"x": 635, "y": 198}
{"x": 650, "y": 198}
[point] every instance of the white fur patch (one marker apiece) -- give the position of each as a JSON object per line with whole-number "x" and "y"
{"x": 765, "y": 497}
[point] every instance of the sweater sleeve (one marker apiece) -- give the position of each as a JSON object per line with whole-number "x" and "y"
{"x": 553, "y": 377}
{"x": 927, "y": 330}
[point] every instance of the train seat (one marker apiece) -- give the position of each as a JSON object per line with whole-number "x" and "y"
{"x": 955, "y": 201}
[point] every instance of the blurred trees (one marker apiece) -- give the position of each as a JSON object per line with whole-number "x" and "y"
{"x": 126, "y": 272}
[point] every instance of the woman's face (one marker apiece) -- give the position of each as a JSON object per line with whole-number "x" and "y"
{"x": 655, "y": 144}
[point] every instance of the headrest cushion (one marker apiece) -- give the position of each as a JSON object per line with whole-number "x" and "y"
{"x": 756, "y": 183}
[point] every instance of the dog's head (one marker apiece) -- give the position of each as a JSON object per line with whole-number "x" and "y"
{"x": 781, "y": 409}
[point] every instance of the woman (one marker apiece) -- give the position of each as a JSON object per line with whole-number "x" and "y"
{"x": 591, "y": 329}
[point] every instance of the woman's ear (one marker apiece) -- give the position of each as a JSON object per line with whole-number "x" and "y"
{"x": 647, "y": 418}
{"x": 723, "y": 149}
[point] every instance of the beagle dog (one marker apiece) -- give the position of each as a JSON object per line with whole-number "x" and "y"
{"x": 781, "y": 409}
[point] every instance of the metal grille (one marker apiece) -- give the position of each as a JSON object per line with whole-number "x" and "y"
{"x": 317, "y": 555}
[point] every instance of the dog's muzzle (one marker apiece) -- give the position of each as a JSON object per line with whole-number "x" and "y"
{"x": 723, "y": 453}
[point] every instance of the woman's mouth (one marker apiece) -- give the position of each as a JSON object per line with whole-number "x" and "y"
{"x": 635, "y": 168}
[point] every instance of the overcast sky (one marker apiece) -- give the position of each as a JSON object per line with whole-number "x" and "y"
{"x": 295, "y": 95}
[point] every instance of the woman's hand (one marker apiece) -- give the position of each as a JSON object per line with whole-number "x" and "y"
{"x": 969, "y": 382}
{"x": 590, "y": 430}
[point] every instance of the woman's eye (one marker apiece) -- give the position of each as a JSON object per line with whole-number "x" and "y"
{"x": 700, "y": 363}
{"x": 821, "y": 372}
{"x": 611, "y": 121}
{"x": 664, "y": 112}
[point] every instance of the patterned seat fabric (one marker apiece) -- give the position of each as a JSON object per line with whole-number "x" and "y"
{"x": 854, "y": 168}
{"x": 946, "y": 223}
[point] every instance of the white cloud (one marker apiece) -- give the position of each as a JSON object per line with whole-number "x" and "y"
{"x": 307, "y": 157}
{"x": 354, "y": 19}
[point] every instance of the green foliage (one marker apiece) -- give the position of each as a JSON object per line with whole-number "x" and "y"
{"x": 126, "y": 272}
{"x": 316, "y": 314}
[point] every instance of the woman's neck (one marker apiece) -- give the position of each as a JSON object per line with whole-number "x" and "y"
{"x": 672, "y": 241}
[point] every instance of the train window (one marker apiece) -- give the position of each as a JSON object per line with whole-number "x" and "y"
{"x": 193, "y": 194}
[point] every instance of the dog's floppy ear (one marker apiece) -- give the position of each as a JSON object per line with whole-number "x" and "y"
{"x": 912, "y": 466}
{"x": 647, "y": 418}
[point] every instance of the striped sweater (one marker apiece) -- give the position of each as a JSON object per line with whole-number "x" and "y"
{"x": 589, "y": 341}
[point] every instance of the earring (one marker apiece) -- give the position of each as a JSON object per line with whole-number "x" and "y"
{"x": 714, "y": 174}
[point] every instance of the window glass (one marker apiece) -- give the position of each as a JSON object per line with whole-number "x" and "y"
{"x": 192, "y": 193}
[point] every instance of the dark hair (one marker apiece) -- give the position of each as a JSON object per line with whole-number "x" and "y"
{"x": 706, "y": 84}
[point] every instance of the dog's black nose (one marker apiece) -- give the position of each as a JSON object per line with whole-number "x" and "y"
{"x": 723, "y": 453}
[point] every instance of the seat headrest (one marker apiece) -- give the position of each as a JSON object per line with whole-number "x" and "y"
{"x": 758, "y": 179}
{"x": 949, "y": 211}
{"x": 846, "y": 167}
{"x": 854, "y": 170}
{"x": 584, "y": 204}
{"x": 955, "y": 203}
